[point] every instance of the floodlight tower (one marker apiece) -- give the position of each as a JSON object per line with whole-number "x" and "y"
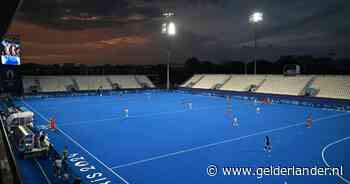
{"x": 255, "y": 19}
{"x": 169, "y": 30}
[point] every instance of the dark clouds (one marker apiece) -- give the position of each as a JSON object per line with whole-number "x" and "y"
{"x": 128, "y": 31}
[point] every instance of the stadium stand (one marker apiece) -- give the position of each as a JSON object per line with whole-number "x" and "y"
{"x": 242, "y": 82}
{"x": 332, "y": 86}
{"x": 278, "y": 84}
{"x": 144, "y": 81}
{"x": 95, "y": 82}
{"x": 125, "y": 81}
{"x": 192, "y": 81}
{"x": 214, "y": 81}
{"x": 83, "y": 82}
{"x": 68, "y": 83}
{"x": 52, "y": 83}
{"x": 327, "y": 86}
{"x": 32, "y": 84}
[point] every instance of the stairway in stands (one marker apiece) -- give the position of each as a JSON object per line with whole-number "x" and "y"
{"x": 261, "y": 83}
{"x": 226, "y": 80}
{"x": 110, "y": 82}
{"x": 195, "y": 82}
{"x": 308, "y": 85}
{"x": 75, "y": 83}
{"x": 37, "y": 84}
{"x": 139, "y": 82}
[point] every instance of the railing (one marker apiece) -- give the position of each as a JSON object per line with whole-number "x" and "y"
{"x": 109, "y": 81}
{"x": 187, "y": 81}
{"x": 75, "y": 83}
{"x": 226, "y": 80}
{"x": 195, "y": 82}
{"x": 308, "y": 84}
{"x": 260, "y": 84}
{"x": 17, "y": 179}
{"x": 138, "y": 81}
{"x": 192, "y": 83}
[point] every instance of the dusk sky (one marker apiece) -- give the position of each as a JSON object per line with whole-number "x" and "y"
{"x": 129, "y": 31}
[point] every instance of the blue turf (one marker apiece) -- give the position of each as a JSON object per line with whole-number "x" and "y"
{"x": 30, "y": 172}
{"x": 176, "y": 141}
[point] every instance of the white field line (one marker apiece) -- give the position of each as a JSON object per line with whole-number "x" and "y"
{"x": 121, "y": 115}
{"x": 79, "y": 145}
{"x": 48, "y": 181}
{"x": 324, "y": 158}
{"x": 221, "y": 142}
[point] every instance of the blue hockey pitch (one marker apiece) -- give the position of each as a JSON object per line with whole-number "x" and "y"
{"x": 163, "y": 142}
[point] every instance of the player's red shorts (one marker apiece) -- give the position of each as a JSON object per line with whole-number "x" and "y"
{"x": 53, "y": 124}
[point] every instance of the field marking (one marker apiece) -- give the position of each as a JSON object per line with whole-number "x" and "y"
{"x": 324, "y": 158}
{"x": 116, "y": 96}
{"x": 121, "y": 117}
{"x": 79, "y": 145}
{"x": 102, "y": 102}
{"x": 48, "y": 181}
{"x": 221, "y": 142}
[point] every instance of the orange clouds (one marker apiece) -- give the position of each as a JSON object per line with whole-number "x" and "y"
{"x": 134, "y": 40}
{"x": 42, "y": 44}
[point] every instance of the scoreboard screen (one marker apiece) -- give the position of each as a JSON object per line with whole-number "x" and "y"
{"x": 10, "y": 51}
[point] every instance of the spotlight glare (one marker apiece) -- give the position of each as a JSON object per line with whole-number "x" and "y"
{"x": 171, "y": 29}
{"x": 256, "y": 17}
{"x": 164, "y": 28}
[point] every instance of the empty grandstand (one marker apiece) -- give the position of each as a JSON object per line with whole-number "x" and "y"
{"x": 327, "y": 86}
{"x": 52, "y": 83}
{"x": 32, "y": 84}
{"x": 124, "y": 81}
{"x": 211, "y": 81}
{"x": 285, "y": 85}
{"x": 144, "y": 81}
{"x": 332, "y": 86}
{"x": 243, "y": 82}
{"x": 192, "y": 81}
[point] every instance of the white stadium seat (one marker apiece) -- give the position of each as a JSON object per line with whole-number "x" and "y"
{"x": 210, "y": 81}
{"x": 242, "y": 82}
{"x": 285, "y": 85}
{"x": 332, "y": 86}
{"x": 93, "y": 82}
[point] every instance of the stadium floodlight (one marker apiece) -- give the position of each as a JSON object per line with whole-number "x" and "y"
{"x": 171, "y": 29}
{"x": 255, "y": 18}
{"x": 168, "y": 29}
{"x": 164, "y": 28}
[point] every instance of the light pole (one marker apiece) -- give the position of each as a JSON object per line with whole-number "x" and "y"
{"x": 255, "y": 18}
{"x": 169, "y": 30}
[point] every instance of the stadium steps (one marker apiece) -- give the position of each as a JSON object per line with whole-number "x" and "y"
{"x": 75, "y": 83}
{"x": 308, "y": 84}
{"x": 228, "y": 79}
{"x": 195, "y": 82}
{"x": 110, "y": 82}
{"x": 192, "y": 81}
{"x": 144, "y": 81}
{"x": 139, "y": 82}
{"x": 332, "y": 86}
{"x": 37, "y": 83}
{"x": 260, "y": 84}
